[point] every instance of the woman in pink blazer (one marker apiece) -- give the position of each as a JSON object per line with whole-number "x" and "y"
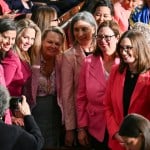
{"x": 83, "y": 29}
{"x": 92, "y": 86}
{"x": 129, "y": 84}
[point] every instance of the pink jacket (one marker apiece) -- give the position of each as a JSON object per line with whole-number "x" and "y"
{"x": 90, "y": 97}
{"x": 72, "y": 62}
{"x": 16, "y": 73}
{"x": 140, "y": 101}
{"x": 4, "y": 8}
{"x": 121, "y": 16}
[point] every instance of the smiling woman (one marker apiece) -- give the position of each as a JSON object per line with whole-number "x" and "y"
{"x": 83, "y": 29}
{"x": 128, "y": 86}
{"x": 135, "y": 132}
{"x": 16, "y": 62}
{"x": 48, "y": 111}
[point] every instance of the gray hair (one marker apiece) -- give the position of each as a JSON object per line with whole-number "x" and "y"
{"x": 144, "y": 29}
{"x": 85, "y": 16}
{"x": 4, "y": 99}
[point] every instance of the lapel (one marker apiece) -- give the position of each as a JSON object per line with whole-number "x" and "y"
{"x": 119, "y": 87}
{"x": 96, "y": 70}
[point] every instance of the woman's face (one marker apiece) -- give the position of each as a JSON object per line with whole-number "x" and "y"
{"x": 26, "y": 39}
{"x": 107, "y": 41}
{"x": 8, "y": 40}
{"x": 127, "y": 51}
{"x": 131, "y": 143}
{"x": 83, "y": 32}
{"x": 101, "y": 14}
{"x": 130, "y": 4}
{"x": 52, "y": 44}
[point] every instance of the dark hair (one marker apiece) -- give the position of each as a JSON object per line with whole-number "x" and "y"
{"x": 114, "y": 27}
{"x": 133, "y": 125}
{"x": 141, "y": 51}
{"x": 7, "y": 24}
{"x": 107, "y": 3}
{"x": 85, "y": 16}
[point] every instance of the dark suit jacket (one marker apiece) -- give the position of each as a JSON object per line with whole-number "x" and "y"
{"x": 16, "y": 138}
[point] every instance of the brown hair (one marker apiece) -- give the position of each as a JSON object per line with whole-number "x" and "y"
{"x": 43, "y": 16}
{"x": 141, "y": 51}
{"x": 114, "y": 27}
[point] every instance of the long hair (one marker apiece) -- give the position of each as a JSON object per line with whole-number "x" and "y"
{"x": 43, "y": 16}
{"x": 35, "y": 48}
{"x": 133, "y": 125}
{"x": 140, "y": 48}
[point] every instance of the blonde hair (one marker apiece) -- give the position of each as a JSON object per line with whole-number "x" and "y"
{"x": 35, "y": 49}
{"x": 58, "y": 30}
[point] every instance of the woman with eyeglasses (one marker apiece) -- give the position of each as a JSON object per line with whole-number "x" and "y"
{"x": 92, "y": 86}
{"x": 135, "y": 132}
{"x": 129, "y": 84}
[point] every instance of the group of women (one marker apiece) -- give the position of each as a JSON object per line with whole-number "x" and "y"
{"x": 85, "y": 90}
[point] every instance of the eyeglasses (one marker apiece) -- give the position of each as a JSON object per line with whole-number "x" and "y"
{"x": 125, "y": 48}
{"x": 106, "y": 37}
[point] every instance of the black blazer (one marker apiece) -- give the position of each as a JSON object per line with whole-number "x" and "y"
{"x": 16, "y": 138}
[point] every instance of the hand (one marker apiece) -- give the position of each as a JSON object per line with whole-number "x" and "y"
{"x": 17, "y": 121}
{"x": 69, "y": 138}
{"x": 24, "y": 107}
{"x": 83, "y": 137}
{"x": 118, "y": 138}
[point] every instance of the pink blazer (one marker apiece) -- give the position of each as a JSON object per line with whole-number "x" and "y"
{"x": 140, "y": 101}
{"x": 72, "y": 62}
{"x": 90, "y": 97}
{"x": 2, "y": 80}
{"x": 121, "y": 16}
{"x": 4, "y": 8}
{"x": 16, "y": 73}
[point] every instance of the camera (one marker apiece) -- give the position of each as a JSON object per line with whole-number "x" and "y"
{"x": 14, "y": 102}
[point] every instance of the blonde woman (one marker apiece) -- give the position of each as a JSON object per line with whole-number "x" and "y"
{"x": 16, "y": 63}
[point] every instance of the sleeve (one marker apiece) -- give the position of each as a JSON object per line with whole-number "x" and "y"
{"x": 31, "y": 138}
{"x": 67, "y": 92}
{"x": 10, "y": 64}
{"x": 112, "y": 126}
{"x": 81, "y": 101}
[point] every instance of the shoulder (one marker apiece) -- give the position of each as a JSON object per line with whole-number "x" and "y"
{"x": 11, "y": 56}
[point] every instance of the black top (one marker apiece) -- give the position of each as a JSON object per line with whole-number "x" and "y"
{"x": 129, "y": 85}
{"x": 15, "y": 138}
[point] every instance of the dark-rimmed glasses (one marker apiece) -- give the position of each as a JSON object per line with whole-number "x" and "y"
{"x": 126, "y": 48}
{"x": 105, "y": 37}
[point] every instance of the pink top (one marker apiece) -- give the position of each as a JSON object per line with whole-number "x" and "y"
{"x": 121, "y": 16}
{"x": 16, "y": 73}
{"x": 90, "y": 96}
{"x": 2, "y": 82}
{"x": 4, "y": 8}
